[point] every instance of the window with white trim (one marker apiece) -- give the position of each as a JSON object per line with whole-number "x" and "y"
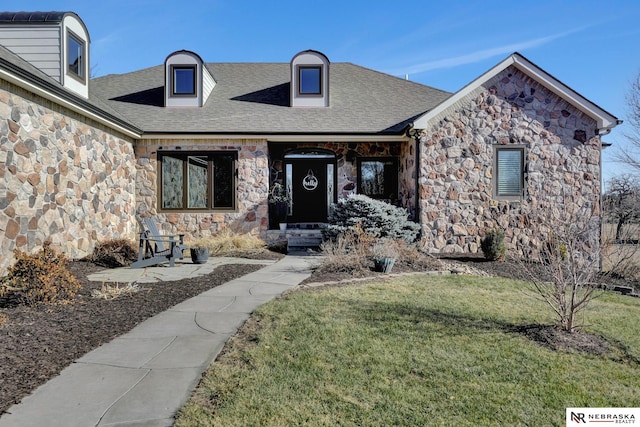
{"x": 509, "y": 168}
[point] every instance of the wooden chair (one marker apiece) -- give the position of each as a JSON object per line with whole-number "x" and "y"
{"x": 154, "y": 248}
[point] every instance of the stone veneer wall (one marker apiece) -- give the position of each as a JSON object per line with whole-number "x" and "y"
{"x": 347, "y": 166}
{"x": 562, "y": 160}
{"x": 253, "y": 182}
{"x": 251, "y": 191}
{"x": 62, "y": 178}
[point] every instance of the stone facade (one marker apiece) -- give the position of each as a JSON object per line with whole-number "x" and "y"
{"x": 252, "y": 188}
{"x": 63, "y": 178}
{"x": 254, "y": 165}
{"x": 347, "y": 154}
{"x": 75, "y": 182}
{"x": 562, "y": 158}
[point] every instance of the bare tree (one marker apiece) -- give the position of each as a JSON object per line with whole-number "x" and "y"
{"x": 565, "y": 269}
{"x": 621, "y": 202}
{"x": 631, "y": 155}
{"x": 564, "y": 272}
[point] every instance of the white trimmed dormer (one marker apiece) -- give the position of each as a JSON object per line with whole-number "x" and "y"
{"x": 57, "y": 43}
{"x": 310, "y": 79}
{"x": 188, "y": 83}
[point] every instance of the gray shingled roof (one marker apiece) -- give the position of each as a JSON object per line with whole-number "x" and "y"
{"x": 253, "y": 98}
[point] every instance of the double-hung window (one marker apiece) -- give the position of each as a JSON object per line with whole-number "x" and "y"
{"x": 378, "y": 177}
{"x": 509, "y": 168}
{"x": 198, "y": 181}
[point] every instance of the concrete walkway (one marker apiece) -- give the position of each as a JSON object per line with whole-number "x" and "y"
{"x": 143, "y": 377}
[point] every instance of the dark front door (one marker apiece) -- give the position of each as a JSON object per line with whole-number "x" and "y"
{"x": 308, "y": 189}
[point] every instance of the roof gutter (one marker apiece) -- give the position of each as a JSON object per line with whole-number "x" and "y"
{"x": 297, "y": 137}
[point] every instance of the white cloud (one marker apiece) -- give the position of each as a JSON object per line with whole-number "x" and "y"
{"x": 481, "y": 55}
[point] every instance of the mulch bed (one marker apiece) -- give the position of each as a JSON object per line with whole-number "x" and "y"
{"x": 36, "y": 343}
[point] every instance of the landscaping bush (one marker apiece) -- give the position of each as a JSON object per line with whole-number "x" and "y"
{"x": 349, "y": 252}
{"x": 114, "y": 253}
{"x": 39, "y": 278}
{"x": 376, "y": 218}
{"x": 493, "y": 246}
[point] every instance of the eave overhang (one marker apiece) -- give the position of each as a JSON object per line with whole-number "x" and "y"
{"x": 317, "y": 137}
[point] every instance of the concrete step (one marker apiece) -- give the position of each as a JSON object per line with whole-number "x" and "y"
{"x": 298, "y": 242}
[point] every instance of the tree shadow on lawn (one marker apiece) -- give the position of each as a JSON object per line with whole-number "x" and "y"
{"x": 548, "y": 336}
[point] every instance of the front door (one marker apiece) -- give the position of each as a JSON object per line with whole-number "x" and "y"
{"x": 310, "y": 182}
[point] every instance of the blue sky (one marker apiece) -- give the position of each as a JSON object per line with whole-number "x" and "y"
{"x": 591, "y": 46}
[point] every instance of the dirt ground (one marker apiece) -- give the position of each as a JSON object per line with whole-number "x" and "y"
{"x": 36, "y": 343}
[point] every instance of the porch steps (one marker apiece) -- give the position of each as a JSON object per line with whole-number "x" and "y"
{"x": 301, "y": 240}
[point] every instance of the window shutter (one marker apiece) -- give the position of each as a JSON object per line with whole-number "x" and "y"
{"x": 509, "y": 182}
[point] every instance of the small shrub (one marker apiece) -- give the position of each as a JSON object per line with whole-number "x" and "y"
{"x": 114, "y": 253}
{"x": 385, "y": 248}
{"x": 39, "y": 278}
{"x": 377, "y": 218}
{"x": 348, "y": 252}
{"x": 493, "y": 246}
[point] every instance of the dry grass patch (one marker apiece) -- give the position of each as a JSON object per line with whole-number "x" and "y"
{"x": 228, "y": 242}
{"x": 110, "y": 292}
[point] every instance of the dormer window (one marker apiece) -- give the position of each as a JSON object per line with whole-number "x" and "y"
{"x": 188, "y": 83}
{"x": 75, "y": 56}
{"x": 184, "y": 80}
{"x": 310, "y": 79}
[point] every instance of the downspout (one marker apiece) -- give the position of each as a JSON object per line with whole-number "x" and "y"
{"x": 415, "y": 136}
{"x": 602, "y": 132}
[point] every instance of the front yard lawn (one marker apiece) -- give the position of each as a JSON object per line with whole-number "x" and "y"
{"x": 418, "y": 350}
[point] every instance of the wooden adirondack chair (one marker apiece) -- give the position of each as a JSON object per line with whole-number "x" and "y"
{"x": 154, "y": 248}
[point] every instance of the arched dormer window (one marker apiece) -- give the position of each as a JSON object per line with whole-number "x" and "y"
{"x": 188, "y": 83}
{"x": 75, "y": 67}
{"x": 310, "y": 79}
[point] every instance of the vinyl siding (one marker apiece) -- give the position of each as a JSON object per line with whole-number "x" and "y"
{"x": 38, "y": 45}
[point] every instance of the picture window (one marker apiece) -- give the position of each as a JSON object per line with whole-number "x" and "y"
{"x": 184, "y": 80}
{"x": 198, "y": 181}
{"x": 310, "y": 80}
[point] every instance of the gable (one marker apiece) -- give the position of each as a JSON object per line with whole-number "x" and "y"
{"x": 605, "y": 120}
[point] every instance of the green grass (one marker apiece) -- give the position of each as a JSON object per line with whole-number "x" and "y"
{"x": 414, "y": 351}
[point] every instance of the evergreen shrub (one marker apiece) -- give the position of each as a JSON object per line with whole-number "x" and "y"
{"x": 493, "y": 246}
{"x": 377, "y": 218}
